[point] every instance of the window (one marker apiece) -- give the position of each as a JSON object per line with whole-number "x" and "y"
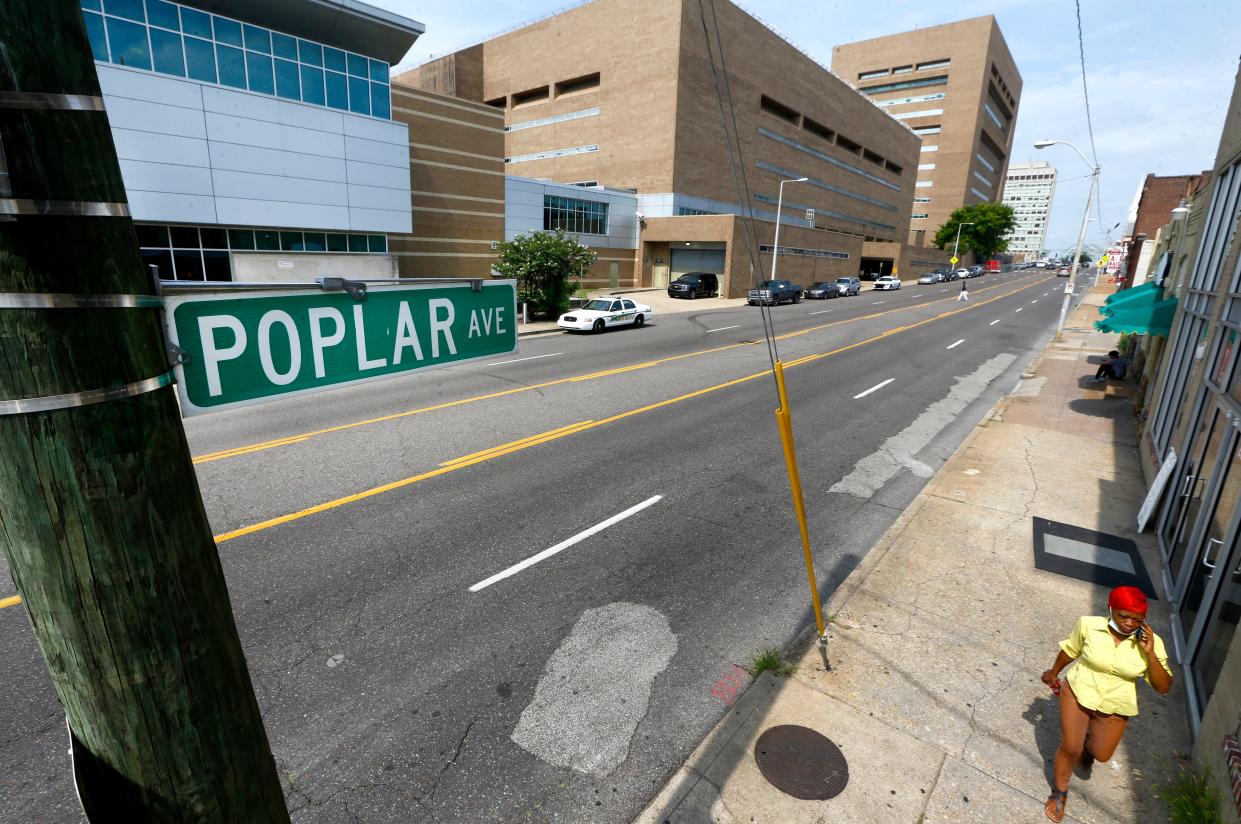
{"x": 796, "y": 252}
{"x": 938, "y": 80}
{"x": 585, "y": 217}
{"x": 826, "y": 158}
{"x": 584, "y": 83}
{"x": 930, "y": 148}
{"x": 995, "y": 118}
{"x": 204, "y": 252}
{"x": 922, "y": 200}
{"x": 594, "y": 147}
{"x": 921, "y": 216}
{"x": 902, "y": 70}
{"x": 980, "y": 194}
{"x": 180, "y": 41}
{"x": 898, "y": 101}
{"x": 925, "y": 167}
{"x": 924, "y": 184}
{"x": 547, "y": 121}
{"x": 984, "y": 180}
{"x": 777, "y": 109}
{"x": 686, "y": 211}
{"x": 531, "y": 96}
{"x": 926, "y": 130}
{"x": 919, "y": 113}
{"x": 934, "y": 64}
{"x": 873, "y": 74}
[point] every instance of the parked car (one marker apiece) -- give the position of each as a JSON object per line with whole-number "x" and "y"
{"x": 603, "y": 313}
{"x": 887, "y": 283}
{"x": 773, "y": 292}
{"x": 976, "y": 271}
{"x": 931, "y": 277}
{"x": 962, "y": 274}
{"x": 692, "y": 284}
{"x": 849, "y": 286}
{"x": 823, "y": 290}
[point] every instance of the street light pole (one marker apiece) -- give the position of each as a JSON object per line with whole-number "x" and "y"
{"x": 957, "y": 242}
{"x": 775, "y": 246}
{"x": 1081, "y": 235}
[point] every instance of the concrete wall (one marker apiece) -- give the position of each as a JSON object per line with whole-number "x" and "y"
{"x": 276, "y": 267}
{"x": 198, "y": 153}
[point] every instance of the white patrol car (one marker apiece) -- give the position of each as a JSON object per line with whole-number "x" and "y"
{"x": 600, "y": 313}
{"x": 887, "y": 283}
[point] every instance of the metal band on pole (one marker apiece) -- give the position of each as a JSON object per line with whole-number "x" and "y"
{"x": 49, "y": 403}
{"x": 69, "y": 208}
{"x": 34, "y": 300}
{"x": 47, "y": 100}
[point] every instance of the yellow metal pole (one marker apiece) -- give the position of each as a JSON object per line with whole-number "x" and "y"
{"x": 785, "y": 422}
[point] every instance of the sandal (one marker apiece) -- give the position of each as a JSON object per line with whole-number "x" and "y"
{"x": 1056, "y": 805}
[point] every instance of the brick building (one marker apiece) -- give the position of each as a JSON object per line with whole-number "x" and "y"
{"x": 1154, "y": 203}
{"x": 643, "y": 115}
{"x": 957, "y": 87}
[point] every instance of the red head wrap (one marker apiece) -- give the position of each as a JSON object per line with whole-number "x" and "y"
{"x": 1130, "y": 599}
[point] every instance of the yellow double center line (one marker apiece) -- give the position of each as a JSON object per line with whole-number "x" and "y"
{"x": 574, "y": 429}
{"x": 554, "y": 434}
{"x": 293, "y": 439}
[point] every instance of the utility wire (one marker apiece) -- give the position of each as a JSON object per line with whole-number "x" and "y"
{"x": 1094, "y": 155}
{"x": 738, "y": 171}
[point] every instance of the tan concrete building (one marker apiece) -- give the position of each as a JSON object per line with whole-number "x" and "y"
{"x": 456, "y": 178}
{"x": 957, "y": 87}
{"x": 643, "y": 115}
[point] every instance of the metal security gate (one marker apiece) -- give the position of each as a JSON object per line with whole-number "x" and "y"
{"x": 697, "y": 260}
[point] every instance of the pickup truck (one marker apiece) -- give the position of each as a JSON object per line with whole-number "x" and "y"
{"x": 772, "y": 292}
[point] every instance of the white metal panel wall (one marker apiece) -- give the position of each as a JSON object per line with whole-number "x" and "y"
{"x": 523, "y": 210}
{"x": 197, "y": 153}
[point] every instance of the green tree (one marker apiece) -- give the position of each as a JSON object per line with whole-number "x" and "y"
{"x": 986, "y": 237}
{"x": 544, "y": 265}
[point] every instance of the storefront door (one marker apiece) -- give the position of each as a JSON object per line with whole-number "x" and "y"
{"x": 1176, "y": 527}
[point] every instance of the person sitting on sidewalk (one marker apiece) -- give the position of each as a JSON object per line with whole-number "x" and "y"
{"x": 1114, "y": 366}
{"x": 1099, "y": 695}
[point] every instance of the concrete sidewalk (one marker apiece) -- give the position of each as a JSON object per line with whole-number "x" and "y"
{"x": 939, "y": 636}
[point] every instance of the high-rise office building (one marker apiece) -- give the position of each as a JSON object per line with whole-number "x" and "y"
{"x": 957, "y": 87}
{"x": 1028, "y": 189}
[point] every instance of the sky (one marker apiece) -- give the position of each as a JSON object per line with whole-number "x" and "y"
{"x": 1159, "y": 76}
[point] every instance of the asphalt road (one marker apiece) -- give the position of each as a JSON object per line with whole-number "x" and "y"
{"x": 400, "y": 680}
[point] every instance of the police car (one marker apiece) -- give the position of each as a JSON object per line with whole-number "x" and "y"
{"x": 602, "y": 313}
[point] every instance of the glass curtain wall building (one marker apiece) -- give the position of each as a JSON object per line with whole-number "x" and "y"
{"x": 256, "y": 133}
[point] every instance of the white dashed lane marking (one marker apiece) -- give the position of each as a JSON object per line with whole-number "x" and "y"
{"x": 955, "y": 345}
{"x": 874, "y": 388}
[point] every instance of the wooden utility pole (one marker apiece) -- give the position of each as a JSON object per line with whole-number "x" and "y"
{"x": 100, "y": 515}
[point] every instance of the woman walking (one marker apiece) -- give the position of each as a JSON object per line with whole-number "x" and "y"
{"x": 1099, "y": 696}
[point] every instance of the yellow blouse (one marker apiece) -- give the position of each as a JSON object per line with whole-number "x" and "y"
{"x": 1106, "y": 672}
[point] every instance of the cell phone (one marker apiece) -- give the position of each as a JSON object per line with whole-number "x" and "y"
{"x": 1141, "y": 634}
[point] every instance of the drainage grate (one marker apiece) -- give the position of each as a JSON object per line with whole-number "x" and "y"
{"x": 801, "y": 762}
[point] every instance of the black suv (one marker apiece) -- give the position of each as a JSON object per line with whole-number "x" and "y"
{"x": 692, "y": 284}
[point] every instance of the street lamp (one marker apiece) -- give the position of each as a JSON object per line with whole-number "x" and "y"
{"x": 1081, "y": 236}
{"x": 957, "y": 242}
{"x": 775, "y": 246}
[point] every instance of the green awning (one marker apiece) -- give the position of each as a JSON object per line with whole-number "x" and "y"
{"x": 1147, "y": 293}
{"x": 1141, "y": 317}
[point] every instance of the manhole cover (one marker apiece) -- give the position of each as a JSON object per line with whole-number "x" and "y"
{"x": 801, "y": 762}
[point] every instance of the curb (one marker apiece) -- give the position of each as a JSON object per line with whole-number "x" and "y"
{"x": 534, "y": 332}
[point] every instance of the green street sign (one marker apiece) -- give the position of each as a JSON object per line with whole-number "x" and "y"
{"x": 248, "y": 347}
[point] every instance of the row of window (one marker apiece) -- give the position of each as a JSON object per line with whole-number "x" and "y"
{"x": 995, "y": 118}
{"x": 762, "y": 198}
{"x": 583, "y": 217}
{"x": 572, "y": 150}
{"x": 801, "y": 147}
{"x": 800, "y": 252}
{"x": 900, "y": 101}
{"x": 921, "y": 216}
{"x": 822, "y": 184}
{"x": 805, "y": 123}
{"x": 941, "y": 63}
{"x": 919, "y": 113}
{"x": 938, "y": 80}
{"x": 556, "y": 118}
{"x": 685, "y": 211}
{"x": 167, "y": 38}
{"x": 204, "y": 252}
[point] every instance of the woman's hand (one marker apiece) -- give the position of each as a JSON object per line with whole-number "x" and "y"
{"x": 1049, "y": 677}
{"x": 1147, "y": 642}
